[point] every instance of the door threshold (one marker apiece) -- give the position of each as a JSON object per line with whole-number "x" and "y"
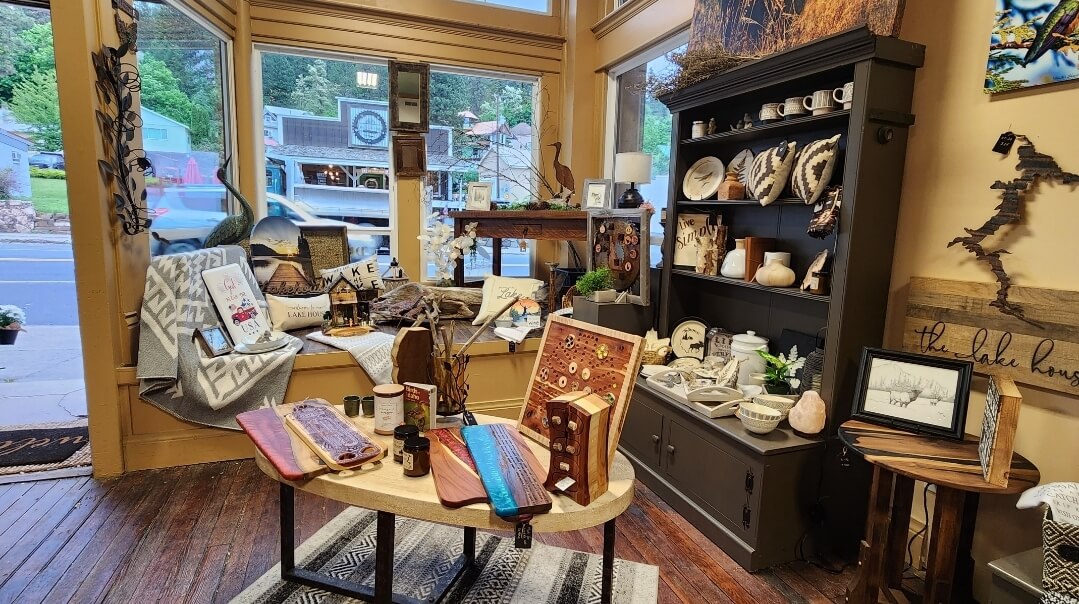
{"x": 47, "y": 475}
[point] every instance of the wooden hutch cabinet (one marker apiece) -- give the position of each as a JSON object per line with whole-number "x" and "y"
{"x": 758, "y": 497}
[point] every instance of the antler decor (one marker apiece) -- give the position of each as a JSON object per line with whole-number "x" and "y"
{"x": 117, "y": 79}
{"x": 1032, "y": 165}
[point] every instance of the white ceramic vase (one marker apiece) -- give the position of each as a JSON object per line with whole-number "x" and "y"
{"x": 734, "y": 263}
{"x": 775, "y": 274}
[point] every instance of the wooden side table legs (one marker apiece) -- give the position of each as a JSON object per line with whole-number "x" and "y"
{"x": 608, "y": 562}
{"x": 870, "y": 577}
{"x": 950, "y": 568}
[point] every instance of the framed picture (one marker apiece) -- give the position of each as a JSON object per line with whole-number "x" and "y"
{"x": 287, "y": 259}
{"x": 479, "y": 196}
{"x": 915, "y": 392}
{"x": 409, "y": 96}
{"x": 213, "y": 340}
{"x": 597, "y": 193}
{"x": 409, "y": 156}
{"x": 619, "y": 240}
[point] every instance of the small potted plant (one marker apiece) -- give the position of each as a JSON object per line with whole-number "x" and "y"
{"x": 11, "y": 319}
{"x": 597, "y": 285}
{"x": 779, "y": 373}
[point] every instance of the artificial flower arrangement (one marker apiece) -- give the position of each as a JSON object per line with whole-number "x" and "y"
{"x": 444, "y": 250}
{"x": 779, "y": 374}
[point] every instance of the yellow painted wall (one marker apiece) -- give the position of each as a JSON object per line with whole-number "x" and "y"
{"x": 946, "y": 187}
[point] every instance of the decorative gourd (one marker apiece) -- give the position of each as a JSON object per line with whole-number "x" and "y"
{"x": 775, "y": 274}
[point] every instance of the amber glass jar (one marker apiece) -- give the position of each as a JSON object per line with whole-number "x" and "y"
{"x": 416, "y": 456}
{"x": 400, "y": 435}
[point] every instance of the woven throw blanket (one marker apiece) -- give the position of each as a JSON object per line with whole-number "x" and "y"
{"x": 373, "y": 351}
{"x": 175, "y": 375}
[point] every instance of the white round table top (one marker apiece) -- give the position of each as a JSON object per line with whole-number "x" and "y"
{"x": 383, "y": 486}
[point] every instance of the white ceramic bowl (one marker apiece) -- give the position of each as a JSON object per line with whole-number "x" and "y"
{"x": 757, "y": 418}
{"x": 778, "y": 402}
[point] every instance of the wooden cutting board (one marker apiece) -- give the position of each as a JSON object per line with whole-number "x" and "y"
{"x": 456, "y": 479}
{"x": 292, "y": 459}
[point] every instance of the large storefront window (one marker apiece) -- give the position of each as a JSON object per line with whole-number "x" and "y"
{"x": 642, "y": 123}
{"x": 326, "y": 137}
{"x": 182, "y": 69}
{"x": 482, "y": 130}
{"x": 539, "y": 6}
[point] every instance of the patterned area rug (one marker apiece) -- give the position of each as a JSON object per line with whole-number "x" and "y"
{"x": 73, "y": 455}
{"x": 344, "y": 548}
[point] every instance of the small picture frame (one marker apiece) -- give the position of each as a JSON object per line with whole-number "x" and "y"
{"x": 597, "y": 193}
{"x": 214, "y": 341}
{"x": 479, "y": 196}
{"x": 409, "y": 84}
{"x": 409, "y": 156}
{"x": 915, "y": 392}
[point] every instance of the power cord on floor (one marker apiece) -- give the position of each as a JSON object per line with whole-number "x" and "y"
{"x": 921, "y": 531}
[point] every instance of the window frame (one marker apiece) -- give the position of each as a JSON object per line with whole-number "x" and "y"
{"x": 494, "y": 4}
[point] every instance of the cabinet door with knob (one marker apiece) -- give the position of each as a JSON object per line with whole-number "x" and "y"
{"x": 642, "y": 433}
{"x": 713, "y": 476}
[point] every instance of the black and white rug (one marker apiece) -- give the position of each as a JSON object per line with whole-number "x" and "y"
{"x": 345, "y": 547}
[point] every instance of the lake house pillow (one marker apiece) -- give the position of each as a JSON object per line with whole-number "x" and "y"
{"x": 497, "y": 291}
{"x": 294, "y": 313}
{"x": 364, "y": 274}
{"x": 813, "y": 169}
{"x": 770, "y": 171}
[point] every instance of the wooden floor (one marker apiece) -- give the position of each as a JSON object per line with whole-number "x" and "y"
{"x": 203, "y": 533}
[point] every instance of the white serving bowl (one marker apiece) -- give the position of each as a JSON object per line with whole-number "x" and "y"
{"x": 757, "y": 418}
{"x": 780, "y": 403}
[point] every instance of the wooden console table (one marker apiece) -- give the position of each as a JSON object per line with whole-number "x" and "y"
{"x": 899, "y": 458}
{"x": 545, "y": 225}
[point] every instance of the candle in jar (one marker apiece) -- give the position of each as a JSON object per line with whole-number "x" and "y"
{"x": 389, "y": 407}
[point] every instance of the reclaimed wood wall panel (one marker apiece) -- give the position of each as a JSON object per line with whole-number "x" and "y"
{"x": 953, "y": 319}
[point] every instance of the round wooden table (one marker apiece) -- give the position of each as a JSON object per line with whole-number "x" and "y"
{"x": 383, "y": 487}
{"x": 899, "y": 458}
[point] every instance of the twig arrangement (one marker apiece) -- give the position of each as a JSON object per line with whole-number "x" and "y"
{"x": 1032, "y": 165}
{"x": 117, "y": 78}
{"x": 694, "y": 65}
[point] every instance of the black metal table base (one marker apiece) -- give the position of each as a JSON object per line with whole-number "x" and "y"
{"x": 382, "y": 593}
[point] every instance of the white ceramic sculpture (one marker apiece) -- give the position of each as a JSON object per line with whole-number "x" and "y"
{"x": 808, "y": 415}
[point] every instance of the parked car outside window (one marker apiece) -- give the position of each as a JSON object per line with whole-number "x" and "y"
{"x": 53, "y": 160}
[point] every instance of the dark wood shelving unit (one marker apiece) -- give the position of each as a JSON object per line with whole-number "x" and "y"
{"x": 783, "y": 291}
{"x": 742, "y": 485}
{"x": 791, "y": 126}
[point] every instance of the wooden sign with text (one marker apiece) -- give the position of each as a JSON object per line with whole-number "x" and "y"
{"x": 953, "y": 319}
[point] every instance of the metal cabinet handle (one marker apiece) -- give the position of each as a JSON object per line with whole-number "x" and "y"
{"x": 670, "y": 449}
{"x": 655, "y": 438}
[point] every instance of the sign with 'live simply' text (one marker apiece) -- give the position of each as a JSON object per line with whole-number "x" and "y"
{"x": 954, "y": 319}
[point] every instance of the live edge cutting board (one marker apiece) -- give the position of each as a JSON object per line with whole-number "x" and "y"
{"x": 290, "y": 456}
{"x": 456, "y": 479}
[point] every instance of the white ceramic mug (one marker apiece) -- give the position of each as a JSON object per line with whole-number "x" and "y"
{"x": 820, "y": 102}
{"x": 844, "y": 95}
{"x": 793, "y": 107}
{"x": 771, "y": 112}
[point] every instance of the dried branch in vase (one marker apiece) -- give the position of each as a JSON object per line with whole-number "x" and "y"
{"x": 694, "y": 65}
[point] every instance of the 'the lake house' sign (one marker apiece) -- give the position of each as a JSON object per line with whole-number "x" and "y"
{"x": 953, "y": 319}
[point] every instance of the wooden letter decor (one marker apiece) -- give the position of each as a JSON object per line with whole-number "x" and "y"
{"x": 959, "y": 320}
{"x": 619, "y": 240}
{"x": 1032, "y": 166}
{"x": 1002, "y": 403}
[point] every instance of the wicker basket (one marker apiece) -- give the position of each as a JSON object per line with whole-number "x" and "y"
{"x": 1060, "y": 541}
{"x": 652, "y": 357}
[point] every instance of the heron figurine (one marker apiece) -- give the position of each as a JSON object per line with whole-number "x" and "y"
{"x": 232, "y": 229}
{"x": 562, "y": 174}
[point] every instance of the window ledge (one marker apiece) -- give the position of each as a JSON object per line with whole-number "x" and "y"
{"x": 619, "y": 16}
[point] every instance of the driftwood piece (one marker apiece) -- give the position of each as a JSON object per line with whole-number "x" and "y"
{"x": 404, "y": 302}
{"x": 1032, "y": 166}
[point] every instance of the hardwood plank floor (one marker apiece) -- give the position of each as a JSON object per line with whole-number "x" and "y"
{"x": 203, "y": 533}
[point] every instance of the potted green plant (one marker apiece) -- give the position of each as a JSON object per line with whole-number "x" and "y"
{"x": 779, "y": 371}
{"x": 597, "y": 285}
{"x": 11, "y": 320}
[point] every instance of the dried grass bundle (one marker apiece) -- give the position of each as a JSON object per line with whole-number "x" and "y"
{"x": 694, "y": 65}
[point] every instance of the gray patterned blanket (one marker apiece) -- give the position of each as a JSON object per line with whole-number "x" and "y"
{"x": 174, "y": 372}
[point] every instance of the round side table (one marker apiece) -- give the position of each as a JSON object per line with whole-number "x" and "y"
{"x": 899, "y": 458}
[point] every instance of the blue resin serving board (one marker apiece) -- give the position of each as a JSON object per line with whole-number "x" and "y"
{"x": 507, "y": 469}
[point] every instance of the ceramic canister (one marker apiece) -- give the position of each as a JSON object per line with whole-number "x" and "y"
{"x": 744, "y": 347}
{"x": 698, "y": 130}
{"x": 389, "y": 407}
{"x": 783, "y": 257}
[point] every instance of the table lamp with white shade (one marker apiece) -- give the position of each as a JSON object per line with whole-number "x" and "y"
{"x": 633, "y": 168}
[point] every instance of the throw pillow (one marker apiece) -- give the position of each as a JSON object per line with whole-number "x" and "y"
{"x": 497, "y": 291}
{"x": 814, "y": 168}
{"x": 771, "y": 169}
{"x": 364, "y": 274}
{"x": 294, "y": 313}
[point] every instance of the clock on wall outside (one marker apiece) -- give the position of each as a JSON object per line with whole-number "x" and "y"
{"x": 369, "y": 127}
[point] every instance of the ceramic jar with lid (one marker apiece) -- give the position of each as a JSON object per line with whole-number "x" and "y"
{"x": 698, "y": 129}
{"x": 734, "y": 263}
{"x": 744, "y": 347}
{"x": 389, "y": 407}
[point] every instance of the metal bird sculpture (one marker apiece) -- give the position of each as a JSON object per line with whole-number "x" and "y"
{"x": 1060, "y": 22}
{"x": 563, "y": 175}
{"x": 232, "y": 229}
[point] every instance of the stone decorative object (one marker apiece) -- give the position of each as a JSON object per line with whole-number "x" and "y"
{"x": 775, "y": 274}
{"x": 17, "y": 216}
{"x": 732, "y": 187}
{"x": 808, "y": 414}
{"x": 734, "y": 264}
